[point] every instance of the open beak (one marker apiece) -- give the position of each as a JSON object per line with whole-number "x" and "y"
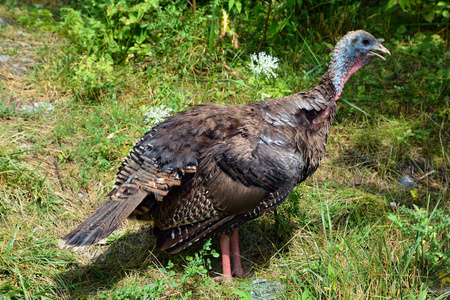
{"x": 380, "y": 48}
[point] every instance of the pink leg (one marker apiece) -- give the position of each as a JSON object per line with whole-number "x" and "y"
{"x": 237, "y": 266}
{"x": 225, "y": 248}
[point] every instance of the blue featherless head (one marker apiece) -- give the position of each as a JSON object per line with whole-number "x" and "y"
{"x": 352, "y": 52}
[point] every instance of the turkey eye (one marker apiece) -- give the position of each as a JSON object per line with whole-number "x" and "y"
{"x": 366, "y": 42}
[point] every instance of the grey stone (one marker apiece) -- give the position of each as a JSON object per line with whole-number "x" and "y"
{"x": 26, "y": 60}
{"x": 37, "y": 107}
{"x": 27, "y": 108}
{"x": 25, "y": 146}
{"x": 22, "y": 33}
{"x": 4, "y": 58}
{"x": 407, "y": 183}
{"x": 25, "y": 45}
{"x": 394, "y": 204}
{"x": 439, "y": 290}
{"x": 264, "y": 289}
{"x": 16, "y": 68}
{"x": 43, "y": 105}
{"x": 3, "y": 22}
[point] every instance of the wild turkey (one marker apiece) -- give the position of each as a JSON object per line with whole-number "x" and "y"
{"x": 210, "y": 169}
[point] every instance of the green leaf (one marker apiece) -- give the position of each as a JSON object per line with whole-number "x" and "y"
{"x": 429, "y": 17}
{"x": 239, "y": 6}
{"x": 405, "y": 3}
{"x": 230, "y": 4}
{"x": 401, "y": 29}
{"x": 391, "y": 3}
{"x": 331, "y": 271}
{"x": 243, "y": 294}
{"x": 306, "y": 295}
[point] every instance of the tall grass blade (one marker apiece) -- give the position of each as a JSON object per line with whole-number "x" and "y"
{"x": 355, "y": 107}
{"x": 208, "y": 87}
{"x": 13, "y": 241}
{"x": 309, "y": 48}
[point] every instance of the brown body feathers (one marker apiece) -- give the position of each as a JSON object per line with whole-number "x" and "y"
{"x": 210, "y": 169}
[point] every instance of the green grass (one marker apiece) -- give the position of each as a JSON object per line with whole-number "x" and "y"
{"x": 337, "y": 237}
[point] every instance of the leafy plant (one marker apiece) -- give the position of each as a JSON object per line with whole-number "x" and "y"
{"x": 42, "y": 19}
{"x": 137, "y": 292}
{"x": 93, "y": 76}
{"x": 418, "y": 133}
{"x": 429, "y": 233}
{"x": 7, "y": 110}
{"x": 195, "y": 272}
{"x": 428, "y": 9}
{"x": 116, "y": 28}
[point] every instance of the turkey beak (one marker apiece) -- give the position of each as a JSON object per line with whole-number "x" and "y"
{"x": 380, "y": 48}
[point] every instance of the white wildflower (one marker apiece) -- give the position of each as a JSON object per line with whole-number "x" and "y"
{"x": 157, "y": 114}
{"x": 263, "y": 63}
{"x": 264, "y": 96}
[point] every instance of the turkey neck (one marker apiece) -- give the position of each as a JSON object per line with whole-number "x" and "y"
{"x": 306, "y": 110}
{"x": 343, "y": 64}
{"x": 303, "y": 121}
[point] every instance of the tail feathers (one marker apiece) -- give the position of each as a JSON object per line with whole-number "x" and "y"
{"x": 104, "y": 220}
{"x": 179, "y": 238}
